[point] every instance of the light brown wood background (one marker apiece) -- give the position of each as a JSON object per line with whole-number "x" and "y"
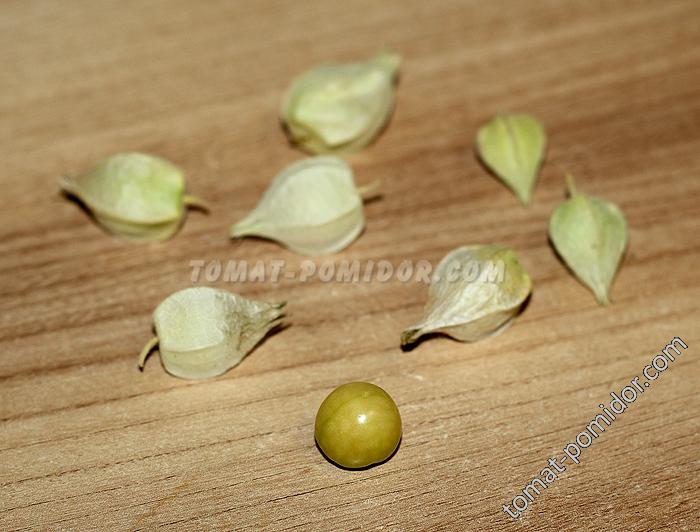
{"x": 88, "y": 441}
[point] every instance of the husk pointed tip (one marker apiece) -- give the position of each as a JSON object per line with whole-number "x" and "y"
{"x": 525, "y": 198}
{"x": 570, "y": 184}
{"x": 67, "y": 184}
{"x": 388, "y": 61}
{"x": 242, "y": 229}
{"x": 410, "y": 335}
{"x": 369, "y": 190}
{"x": 234, "y": 232}
{"x": 196, "y": 203}
{"x": 143, "y": 355}
{"x": 603, "y": 298}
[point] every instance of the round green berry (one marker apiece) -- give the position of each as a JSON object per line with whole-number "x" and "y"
{"x": 358, "y": 425}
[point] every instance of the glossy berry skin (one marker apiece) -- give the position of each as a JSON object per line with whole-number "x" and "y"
{"x": 358, "y": 425}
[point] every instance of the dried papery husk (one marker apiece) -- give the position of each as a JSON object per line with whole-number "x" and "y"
{"x": 135, "y": 196}
{"x": 468, "y": 304}
{"x": 513, "y": 147}
{"x": 341, "y": 107}
{"x": 203, "y": 332}
{"x": 312, "y": 207}
{"x": 590, "y": 235}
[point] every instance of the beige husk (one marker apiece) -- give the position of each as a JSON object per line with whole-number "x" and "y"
{"x": 340, "y": 107}
{"x": 475, "y": 292}
{"x": 134, "y": 196}
{"x": 203, "y": 332}
{"x": 513, "y": 147}
{"x": 590, "y": 235}
{"x": 312, "y": 207}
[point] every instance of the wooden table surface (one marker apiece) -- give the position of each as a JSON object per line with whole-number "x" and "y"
{"x": 87, "y": 441}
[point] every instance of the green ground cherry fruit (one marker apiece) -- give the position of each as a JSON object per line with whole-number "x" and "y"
{"x": 358, "y": 425}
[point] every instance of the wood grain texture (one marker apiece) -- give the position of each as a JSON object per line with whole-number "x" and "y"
{"x": 86, "y": 441}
